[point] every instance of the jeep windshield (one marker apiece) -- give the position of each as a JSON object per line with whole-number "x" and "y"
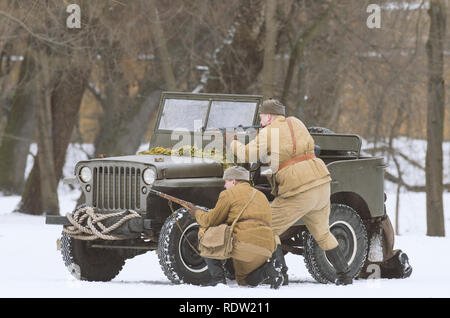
{"x": 200, "y": 114}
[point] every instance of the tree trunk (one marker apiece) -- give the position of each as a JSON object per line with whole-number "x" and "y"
{"x": 121, "y": 132}
{"x": 163, "y": 52}
{"x": 238, "y": 61}
{"x": 269, "y": 48}
{"x": 297, "y": 54}
{"x": 65, "y": 103}
{"x": 48, "y": 181}
{"x": 19, "y": 132}
{"x": 136, "y": 124}
{"x": 435, "y": 119}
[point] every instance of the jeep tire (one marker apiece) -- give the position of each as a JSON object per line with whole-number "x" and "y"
{"x": 179, "y": 261}
{"x": 348, "y": 228}
{"x": 88, "y": 263}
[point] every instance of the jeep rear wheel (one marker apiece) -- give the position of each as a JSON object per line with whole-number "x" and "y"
{"x": 88, "y": 263}
{"x": 348, "y": 228}
{"x": 177, "y": 250}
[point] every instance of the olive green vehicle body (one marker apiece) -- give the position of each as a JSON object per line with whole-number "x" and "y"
{"x": 117, "y": 182}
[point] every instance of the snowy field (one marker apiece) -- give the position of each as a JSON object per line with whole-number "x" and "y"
{"x": 31, "y": 266}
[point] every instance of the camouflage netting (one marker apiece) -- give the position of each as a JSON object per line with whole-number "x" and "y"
{"x": 190, "y": 151}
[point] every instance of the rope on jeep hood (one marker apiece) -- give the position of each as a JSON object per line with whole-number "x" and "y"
{"x": 87, "y": 225}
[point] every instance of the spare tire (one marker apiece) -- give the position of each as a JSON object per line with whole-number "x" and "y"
{"x": 320, "y": 130}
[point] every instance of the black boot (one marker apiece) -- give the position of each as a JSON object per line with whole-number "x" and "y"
{"x": 396, "y": 267}
{"x": 280, "y": 262}
{"x": 216, "y": 271}
{"x": 340, "y": 265}
{"x": 266, "y": 272}
{"x": 404, "y": 262}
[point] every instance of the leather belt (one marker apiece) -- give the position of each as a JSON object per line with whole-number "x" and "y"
{"x": 295, "y": 160}
{"x": 255, "y": 220}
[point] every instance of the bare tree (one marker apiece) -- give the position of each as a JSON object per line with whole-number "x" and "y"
{"x": 163, "y": 52}
{"x": 239, "y": 59}
{"x": 19, "y": 131}
{"x": 269, "y": 48}
{"x": 47, "y": 171}
{"x": 435, "y": 118}
{"x": 62, "y": 88}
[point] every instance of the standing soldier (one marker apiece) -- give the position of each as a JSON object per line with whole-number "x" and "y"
{"x": 300, "y": 182}
{"x": 253, "y": 236}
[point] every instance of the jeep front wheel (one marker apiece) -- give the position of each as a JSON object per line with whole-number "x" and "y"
{"x": 177, "y": 250}
{"x": 88, "y": 263}
{"x": 348, "y": 228}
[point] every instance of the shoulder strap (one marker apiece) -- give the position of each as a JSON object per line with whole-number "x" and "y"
{"x": 294, "y": 140}
{"x": 243, "y": 209}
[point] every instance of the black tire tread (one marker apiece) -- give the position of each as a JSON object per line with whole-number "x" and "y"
{"x": 320, "y": 130}
{"x": 105, "y": 267}
{"x": 170, "y": 264}
{"x": 311, "y": 247}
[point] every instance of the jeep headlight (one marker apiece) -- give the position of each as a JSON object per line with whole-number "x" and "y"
{"x": 149, "y": 176}
{"x": 85, "y": 174}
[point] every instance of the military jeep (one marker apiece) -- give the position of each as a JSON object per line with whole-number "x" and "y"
{"x": 118, "y": 184}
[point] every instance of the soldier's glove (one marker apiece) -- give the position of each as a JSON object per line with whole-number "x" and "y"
{"x": 191, "y": 209}
{"x": 192, "y": 212}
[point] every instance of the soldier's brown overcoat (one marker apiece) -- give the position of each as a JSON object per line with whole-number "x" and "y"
{"x": 276, "y": 138}
{"x": 302, "y": 189}
{"x": 227, "y": 208}
{"x": 254, "y": 240}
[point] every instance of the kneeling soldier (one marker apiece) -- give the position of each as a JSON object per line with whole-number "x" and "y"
{"x": 253, "y": 236}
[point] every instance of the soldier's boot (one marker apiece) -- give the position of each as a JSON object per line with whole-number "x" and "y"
{"x": 281, "y": 263}
{"x": 337, "y": 259}
{"x": 396, "y": 267}
{"x": 269, "y": 272}
{"x": 216, "y": 271}
{"x": 404, "y": 262}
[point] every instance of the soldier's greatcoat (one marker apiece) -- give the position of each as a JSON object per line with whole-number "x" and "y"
{"x": 254, "y": 239}
{"x": 302, "y": 189}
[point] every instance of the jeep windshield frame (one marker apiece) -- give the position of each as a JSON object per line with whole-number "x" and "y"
{"x": 179, "y": 111}
{"x": 165, "y": 134}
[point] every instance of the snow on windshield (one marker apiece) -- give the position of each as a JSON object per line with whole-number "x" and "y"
{"x": 231, "y": 114}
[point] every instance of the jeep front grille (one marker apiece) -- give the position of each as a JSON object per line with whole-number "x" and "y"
{"x": 116, "y": 188}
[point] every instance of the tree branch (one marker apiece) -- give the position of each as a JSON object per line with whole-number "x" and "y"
{"x": 26, "y": 28}
{"x": 98, "y": 96}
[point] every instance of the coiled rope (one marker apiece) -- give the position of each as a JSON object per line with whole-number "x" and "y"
{"x": 87, "y": 225}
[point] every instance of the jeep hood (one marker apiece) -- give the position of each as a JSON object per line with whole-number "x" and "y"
{"x": 168, "y": 166}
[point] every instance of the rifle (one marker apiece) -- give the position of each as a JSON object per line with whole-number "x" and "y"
{"x": 226, "y": 129}
{"x": 186, "y": 204}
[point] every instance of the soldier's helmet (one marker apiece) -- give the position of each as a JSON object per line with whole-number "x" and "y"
{"x": 236, "y": 173}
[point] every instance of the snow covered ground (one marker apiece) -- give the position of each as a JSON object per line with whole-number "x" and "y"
{"x": 31, "y": 266}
